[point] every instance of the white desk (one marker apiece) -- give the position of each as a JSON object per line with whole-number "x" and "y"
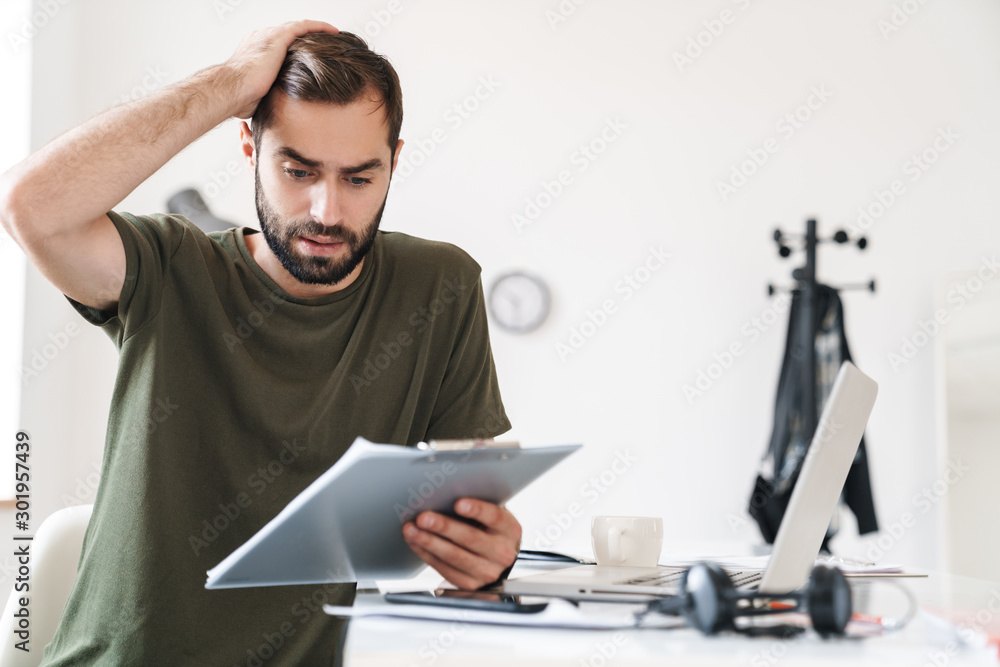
{"x": 384, "y": 642}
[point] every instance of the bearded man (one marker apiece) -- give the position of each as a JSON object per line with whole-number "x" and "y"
{"x": 259, "y": 343}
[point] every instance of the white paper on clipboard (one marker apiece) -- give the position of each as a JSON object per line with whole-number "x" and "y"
{"x": 347, "y": 525}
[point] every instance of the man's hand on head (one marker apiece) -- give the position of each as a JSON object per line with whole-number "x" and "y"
{"x": 467, "y": 555}
{"x": 256, "y": 62}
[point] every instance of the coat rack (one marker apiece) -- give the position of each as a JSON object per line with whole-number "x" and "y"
{"x": 805, "y": 276}
{"x": 796, "y": 410}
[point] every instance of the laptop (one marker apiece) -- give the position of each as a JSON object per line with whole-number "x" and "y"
{"x": 800, "y": 535}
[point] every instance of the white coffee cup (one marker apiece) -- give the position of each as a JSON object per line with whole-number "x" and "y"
{"x": 627, "y": 540}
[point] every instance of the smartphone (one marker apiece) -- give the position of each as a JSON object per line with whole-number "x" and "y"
{"x": 486, "y": 601}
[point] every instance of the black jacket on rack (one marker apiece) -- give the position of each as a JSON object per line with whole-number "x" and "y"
{"x": 789, "y": 443}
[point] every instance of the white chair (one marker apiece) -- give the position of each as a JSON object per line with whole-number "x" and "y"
{"x": 55, "y": 552}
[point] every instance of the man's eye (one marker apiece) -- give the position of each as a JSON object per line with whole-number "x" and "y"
{"x": 297, "y": 173}
{"x": 359, "y": 182}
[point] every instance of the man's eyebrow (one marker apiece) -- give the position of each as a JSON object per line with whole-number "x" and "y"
{"x": 375, "y": 164}
{"x": 292, "y": 154}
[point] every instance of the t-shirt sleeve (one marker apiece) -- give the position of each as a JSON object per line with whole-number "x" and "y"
{"x": 150, "y": 242}
{"x": 469, "y": 404}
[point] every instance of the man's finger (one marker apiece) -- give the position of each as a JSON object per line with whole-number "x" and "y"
{"x": 307, "y": 26}
{"x": 459, "y": 558}
{"x": 494, "y": 518}
{"x": 458, "y": 532}
{"x": 456, "y": 557}
{"x": 456, "y": 577}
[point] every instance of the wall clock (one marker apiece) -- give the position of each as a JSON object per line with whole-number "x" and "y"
{"x": 519, "y": 302}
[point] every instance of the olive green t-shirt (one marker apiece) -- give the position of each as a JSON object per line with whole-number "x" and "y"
{"x": 231, "y": 397}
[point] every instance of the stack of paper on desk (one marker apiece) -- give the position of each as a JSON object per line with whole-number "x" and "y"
{"x": 850, "y": 567}
{"x": 558, "y": 614}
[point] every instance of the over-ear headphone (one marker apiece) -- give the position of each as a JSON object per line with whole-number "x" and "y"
{"x": 710, "y": 602}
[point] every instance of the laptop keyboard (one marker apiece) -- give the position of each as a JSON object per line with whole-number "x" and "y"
{"x": 668, "y": 577}
{"x": 743, "y": 579}
{"x": 671, "y": 578}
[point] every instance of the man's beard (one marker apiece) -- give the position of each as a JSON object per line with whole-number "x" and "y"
{"x": 310, "y": 269}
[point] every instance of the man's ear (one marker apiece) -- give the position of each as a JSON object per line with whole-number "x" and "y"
{"x": 395, "y": 156}
{"x": 247, "y": 145}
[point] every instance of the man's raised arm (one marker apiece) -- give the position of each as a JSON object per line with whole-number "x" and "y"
{"x": 54, "y": 204}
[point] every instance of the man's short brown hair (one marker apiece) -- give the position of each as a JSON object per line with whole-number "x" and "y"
{"x": 334, "y": 69}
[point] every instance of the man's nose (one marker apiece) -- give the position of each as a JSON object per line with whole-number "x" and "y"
{"x": 326, "y": 203}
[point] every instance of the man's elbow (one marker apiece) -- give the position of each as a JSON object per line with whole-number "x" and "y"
{"x": 20, "y": 217}
{"x": 11, "y": 215}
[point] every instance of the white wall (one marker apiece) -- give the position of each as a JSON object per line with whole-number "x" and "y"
{"x": 685, "y": 129}
{"x": 969, "y": 359}
{"x": 15, "y": 78}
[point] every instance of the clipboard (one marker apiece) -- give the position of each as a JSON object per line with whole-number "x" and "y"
{"x": 347, "y": 525}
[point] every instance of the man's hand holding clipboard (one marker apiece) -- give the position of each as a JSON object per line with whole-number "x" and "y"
{"x": 469, "y": 554}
